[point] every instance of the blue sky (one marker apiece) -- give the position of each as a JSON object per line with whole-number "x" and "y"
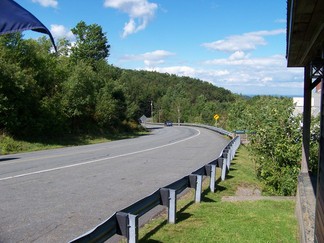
{"x": 238, "y": 45}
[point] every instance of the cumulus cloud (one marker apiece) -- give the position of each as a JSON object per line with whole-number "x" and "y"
{"x": 245, "y": 42}
{"x": 140, "y": 12}
{"x": 246, "y": 71}
{"x": 150, "y": 59}
{"x": 47, "y": 3}
{"x": 250, "y": 74}
{"x": 60, "y": 31}
{"x": 238, "y": 55}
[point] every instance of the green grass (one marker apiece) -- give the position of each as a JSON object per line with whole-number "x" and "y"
{"x": 216, "y": 221}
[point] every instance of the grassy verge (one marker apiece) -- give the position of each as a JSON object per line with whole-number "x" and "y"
{"x": 8, "y": 145}
{"x": 215, "y": 221}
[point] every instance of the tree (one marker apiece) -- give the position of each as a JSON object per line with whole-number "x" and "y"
{"x": 28, "y": 80}
{"x": 110, "y": 106}
{"x": 91, "y": 43}
{"x": 78, "y": 96}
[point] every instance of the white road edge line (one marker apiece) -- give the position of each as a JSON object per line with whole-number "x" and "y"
{"x": 98, "y": 160}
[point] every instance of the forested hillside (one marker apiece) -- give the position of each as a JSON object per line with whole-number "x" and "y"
{"x": 76, "y": 90}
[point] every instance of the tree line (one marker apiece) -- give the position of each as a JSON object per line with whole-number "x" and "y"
{"x": 76, "y": 90}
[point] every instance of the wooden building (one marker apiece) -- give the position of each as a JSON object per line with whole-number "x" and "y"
{"x": 305, "y": 48}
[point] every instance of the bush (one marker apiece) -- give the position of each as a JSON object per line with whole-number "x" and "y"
{"x": 9, "y": 145}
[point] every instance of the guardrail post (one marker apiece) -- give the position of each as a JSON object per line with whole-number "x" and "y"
{"x": 226, "y": 155}
{"x": 169, "y": 199}
{"x": 132, "y": 228}
{"x": 231, "y": 156}
{"x": 195, "y": 181}
{"x": 172, "y": 206}
{"x": 198, "y": 188}
{"x": 222, "y": 161}
{"x": 212, "y": 177}
{"x": 230, "y": 150}
{"x": 210, "y": 170}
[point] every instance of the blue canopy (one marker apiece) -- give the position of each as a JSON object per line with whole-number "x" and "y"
{"x": 14, "y": 18}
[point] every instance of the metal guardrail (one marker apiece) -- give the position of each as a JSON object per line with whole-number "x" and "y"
{"x": 125, "y": 221}
{"x": 215, "y": 129}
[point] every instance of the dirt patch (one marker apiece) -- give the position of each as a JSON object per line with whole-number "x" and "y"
{"x": 250, "y": 193}
{"x": 247, "y": 191}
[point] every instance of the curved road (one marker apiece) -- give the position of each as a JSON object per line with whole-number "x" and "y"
{"x": 57, "y": 195}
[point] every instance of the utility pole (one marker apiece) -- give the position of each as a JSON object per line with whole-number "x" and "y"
{"x": 179, "y": 114}
{"x": 152, "y": 110}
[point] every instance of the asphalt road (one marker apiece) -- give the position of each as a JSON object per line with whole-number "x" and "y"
{"x": 57, "y": 195}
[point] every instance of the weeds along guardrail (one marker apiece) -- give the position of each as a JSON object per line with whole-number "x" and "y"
{"x": 125, "y": 221}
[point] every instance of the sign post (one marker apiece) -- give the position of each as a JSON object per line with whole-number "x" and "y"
{"x": 216, "y": 117}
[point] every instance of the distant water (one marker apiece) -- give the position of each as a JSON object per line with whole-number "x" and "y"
{"x": 288, "y": 96}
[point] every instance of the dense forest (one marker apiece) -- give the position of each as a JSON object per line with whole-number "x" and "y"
{"x": 76, "y": 91}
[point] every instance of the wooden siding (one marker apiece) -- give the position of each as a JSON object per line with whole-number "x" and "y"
{"x": 305, "y": 31}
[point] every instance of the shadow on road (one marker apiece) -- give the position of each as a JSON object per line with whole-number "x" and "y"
{"x": 7, "y": 159}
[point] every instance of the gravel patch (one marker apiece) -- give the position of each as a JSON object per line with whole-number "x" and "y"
{"x": 252, "y": 194}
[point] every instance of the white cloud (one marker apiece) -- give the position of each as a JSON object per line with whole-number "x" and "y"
{"x": 150, "y": 59}
{"x": 242, "y": 60}
{"x": 245, "y": 42}
{"x": 250, "y": 74}
{"x": 47, "y": 3}
{"x": 60, "y": 31}
{"x": 247, "y": 72}
{"x": 140, "y": 12}
{"x": 238, "y": 55}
